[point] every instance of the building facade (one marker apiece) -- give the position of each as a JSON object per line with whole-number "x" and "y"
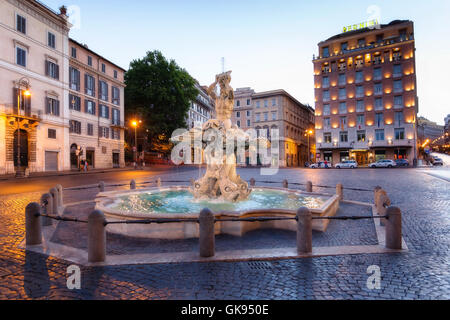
{"x": 427, "y": 129}
{"x": 277, "y": 109}
{"x": 201, "y": 110}
{"x": 96, "y": 109}
{"x": 34, "y": 68}
{"x": 366, "y": 95}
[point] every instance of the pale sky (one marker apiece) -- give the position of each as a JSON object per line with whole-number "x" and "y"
{"x": 268, "y": 44}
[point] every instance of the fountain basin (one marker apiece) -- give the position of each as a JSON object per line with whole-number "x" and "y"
{"x": 178, "y": 202}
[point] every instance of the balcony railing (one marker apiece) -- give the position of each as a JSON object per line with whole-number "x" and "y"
{"x": 10, "y": 110}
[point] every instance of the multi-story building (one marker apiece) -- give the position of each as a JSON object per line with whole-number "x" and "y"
{"x": 95, "y": 109}
{"x": 279, "y": 110}
{"x": 427, "y": 129}
{"x": 201, "y": 110}
{"x": 366, "y": 94}
{"x": 34, "y": 69}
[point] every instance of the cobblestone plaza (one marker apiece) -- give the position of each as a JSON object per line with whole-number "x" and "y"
{"x": 420, "y": 273}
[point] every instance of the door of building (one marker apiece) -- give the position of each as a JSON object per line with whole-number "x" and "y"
{"x": 116, "y": 161}
{"x": 20, "y": 142}
{"x": 362, "y": 157}
{"x": 51, "y": 161}
{"x": 90, "y": 158}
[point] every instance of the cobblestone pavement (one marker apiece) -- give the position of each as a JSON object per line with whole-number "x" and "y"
{"x": 421, "y": 273}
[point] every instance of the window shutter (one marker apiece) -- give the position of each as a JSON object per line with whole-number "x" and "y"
{"x": 93, "y": 86}
{"x": 15, "y": 94}
{"x": 78, "y": 80}
{"x": 86, "y": 105}
{"x": 100, "y": 89}
{"x": 70, "y": 75}
{"x": 47, "y": 71}
{"x": 57, "y": 71}
{"x": 57, "y": 108}
{"x": 100, "y": 130}
{"x": 47, "y": 106}
{"x": 93, "y": 108}
{"x": 85, "y": 83}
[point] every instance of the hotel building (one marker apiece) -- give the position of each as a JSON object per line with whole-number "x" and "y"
{"x": 277, "y": 109}
{"x": 366, "y": 94}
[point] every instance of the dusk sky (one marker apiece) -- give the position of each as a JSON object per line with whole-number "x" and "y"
{"x": 267, "y": 44}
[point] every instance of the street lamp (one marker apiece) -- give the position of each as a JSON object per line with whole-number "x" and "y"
{"x": 309, "y": 133}
{"x": 135, "y": 124}
{"x": 26, "y": 93}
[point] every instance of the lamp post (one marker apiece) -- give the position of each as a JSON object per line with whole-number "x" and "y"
{"x": 26, "y": 93}
{"x": 135, "y": 124}
{"x": 309, "y": 133}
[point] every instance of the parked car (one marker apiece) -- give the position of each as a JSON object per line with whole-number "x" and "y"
{"x": 320, "y": 165}
{"x": 384, "y": 163}
{"x": 402, "y": 163}
{"x": 438, "y": 162}
{"x": 352, "y": 164}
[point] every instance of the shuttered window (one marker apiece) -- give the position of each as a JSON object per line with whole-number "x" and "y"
{"x": 51, "y": 70}
{"x": 89, "y": 107}
{"x": 52, "y": 106}
{"x": 74, "y": 79}
{"x": 21, "y": 24}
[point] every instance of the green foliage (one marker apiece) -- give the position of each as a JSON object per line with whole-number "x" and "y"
{"x": 159, "y": 93}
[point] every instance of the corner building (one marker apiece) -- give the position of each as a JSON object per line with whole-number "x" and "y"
{"x": 366, "y": 95}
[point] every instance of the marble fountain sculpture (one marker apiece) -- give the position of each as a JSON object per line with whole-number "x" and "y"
{"x": 220, "y": 189}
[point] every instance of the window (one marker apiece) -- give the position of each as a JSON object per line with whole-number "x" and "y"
{"x": 359, "y": 76}
{"x": 274, "y": 102}
{"x": 21, "y": 24}
{"x": 115, "y": 134}
{"x": 379, "y": 38}
{"x": 274, "y": 115}
{"x": 90, "y": 61}
{"x": 399, "y": 118}
{"x": 90, "y": 107}
{"x": 74, "y": 79}
{"x": 397, "y": 70}
{"x": 325, "y": 82}
{"x": 377, "y": 73}
{"x": 398, "y": 101}
{"x": 326, "y": 123}
{"x": 326, "y": 109}
{"x": 74, "y": 102}
{"x": 115, "y": 96}
{"x": 266, "y": 103}
{"x": 379, "y": 135}
{"x": 115, "y": 74}
{"x": 361, "y": 136}
{"x": 327, "y": 137}
{"x": 238, "y": 123}
{"x": 238, "y": 114}
{"x": 51, "y": 133}
{"x": 52, "y": 107}
{"x": 103, "y": 132}
{"x": 359, "y": 91}
{"x": 325, "y": 52}
{"x": 342, "y": 79}
{"x": 248, "y": 123}
{"x": 51, "y": 70}
{"x": 344, "y": 46}
{"x": 75, "y": 127}
{"x": 103, "y": 68}
{"x": 103, "y": 90}
{"x": 104, "y": 111}
{"x": 399, "y": 134}
{"x": 343, "y": 93}
{"x": 248, "y": 102}
{"x": 258, "y": 117}
{"x": 360, "y": 107}
{"x": 51, "y": 40}
{"x": 238, "y": 103}
{"x": 266, "y": 116}
{"x": 343, "y": 136}
{"x": 379, "y": 119}
{"x": 343, "y": 108}
{"x": 249, "y": 113}
{"x": 343, "y": 121}
{"x": 360, "y": 119}
{"x": 116, "y": 117}
{"x": 90, "y": 129}
{"x": 21, "y": 56}
{"x": 379, "y": 104}
{"x": 326, "y": 95}
{"x": 378, "y": 88}
{"x": 398, "y": 86}
{"x": 361, "y": 42}
{"x": 258, "y": 104}
{"x": 89, "y": 85}
{"x": 74, "y": 52}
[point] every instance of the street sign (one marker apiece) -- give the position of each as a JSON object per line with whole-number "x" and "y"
{"x": 427, "y": 150}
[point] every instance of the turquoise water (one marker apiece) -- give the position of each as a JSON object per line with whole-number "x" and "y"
{"x": 182, "y": 201}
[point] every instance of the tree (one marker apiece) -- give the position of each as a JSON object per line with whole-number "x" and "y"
{"x": 159, "y": 93}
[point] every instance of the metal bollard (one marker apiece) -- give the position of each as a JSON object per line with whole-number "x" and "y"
{"x": 340, "y": 191}
{"x": 59, "y": 188}
{"x": 97, "y": 237}
{"x": 33, "y": 232}
{"x": 207, "y": 234}
{"x": 101, "y": 186}
{"x": 158, "y": 183}
{"x": 285, "y": 184}
{"x": 133, "y": 184}
{"x": 252, "y": 182}
{"x": 304, "y": 230}
{"x": 47, "y": 208}
{"x": 394, "y": 228}
{"x": 54, "y": 194}
{"x": 309, "y": 186}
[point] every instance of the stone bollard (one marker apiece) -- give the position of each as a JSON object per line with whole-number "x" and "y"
{"x": 207, "y": 234}
{"x": 33, "y": 233}
{"x": 101, "y": 186}
{"x": 47, "y": 208}
{"x": 59, "y": 188}
{"x": 54, "y": 193}
{"x": 394, "y": 228}
{"x": 340, "y": 191}
{"x": 133, "y": 184}
{"x": 382, "y": 202}
{"x": 285, "y": 184}
{"x": 252, "y": 182}
{"x": 97, "y": 237}
{"x": 309, "y": 186}
{"x": 304, "y": 231}
{"x": 158, "y": 183}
